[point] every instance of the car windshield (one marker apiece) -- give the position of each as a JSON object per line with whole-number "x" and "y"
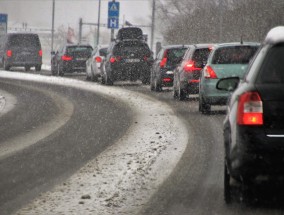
{"x": 234, "y": 55}
{"x": 272, "y": 71}
{"x": 174, "y": 56}
{"x": 79, "y": 49}
{"x": 131, "y": 47}
{"x": 23, "y": 40}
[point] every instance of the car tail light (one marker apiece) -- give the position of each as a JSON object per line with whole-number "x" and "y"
{"x": 145, "y": 58}
{"x": 9, "y": 53}
{"x": 250, "y": 110}
{"x": 167, "y": 80}
{"x": 98, "y": 59}
{"x": 209, "y": 72}
{"x": 114, "y": 59}
{"x": 163, "y": 62}
{"x": 66, "y": 58}
{"x": 190, "y": 66}
{"x": 40, "y": 53}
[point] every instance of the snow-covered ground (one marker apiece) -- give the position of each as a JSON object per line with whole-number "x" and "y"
{"x": 123, "y": 177}
{"x": 7, "y": 102}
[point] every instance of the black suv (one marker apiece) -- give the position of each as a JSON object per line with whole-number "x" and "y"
{"x": 20, "y": 50}
{"x": 253, "y": 127}
{"x": 70, "y": 58}
{"x": 128, "y": 58}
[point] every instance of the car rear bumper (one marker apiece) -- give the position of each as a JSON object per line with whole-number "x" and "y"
{"x": 26, "y": 62}
{"x": 256, "y": 153}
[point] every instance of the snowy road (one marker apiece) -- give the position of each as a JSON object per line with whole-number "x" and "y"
{"x": 122, "y": 178}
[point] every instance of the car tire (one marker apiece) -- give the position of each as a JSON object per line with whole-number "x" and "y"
{"x": 204, "y": 107}
{"x": 27, "y": 68}
{"x": 108, "y": 81}
{"x": 94, "y": 78}
{"x": 152, "y": 87}
{"x": 157, "y": 86}
{"x": 145, "y": 80}
{"x": 175, "y": 93}
{"x": 59, "y": 71}
{"x": 227, "y": 185}
{"x": 38, "y": 68}
{"x": 5, "y": 66}
{"x": 181, "y": 94}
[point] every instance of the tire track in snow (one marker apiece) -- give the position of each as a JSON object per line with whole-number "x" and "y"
{"x": 123, "y": 177}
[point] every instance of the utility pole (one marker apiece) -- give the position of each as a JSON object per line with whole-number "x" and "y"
{"x": 153, "y": 23}
{"x": 99, "y": 20}
{"x": 52, "y": 28}
{"x": 80, "y": 29}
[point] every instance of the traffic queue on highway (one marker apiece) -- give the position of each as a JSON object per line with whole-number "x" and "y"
{"x": 247, "y": 77}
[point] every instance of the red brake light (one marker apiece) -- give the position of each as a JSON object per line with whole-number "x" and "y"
{"x": 250, "y": 111}
{"x": 209, "y": 72}
{"x": 9, "y": 53}
{"x": 112, "y": 59}
{"x": 98, "y": 59}
{"x": 167, "y": 80}
{"x": 40, "y": 53}
{"x": 163, "y": 62}
{"x": 66, "y": 58}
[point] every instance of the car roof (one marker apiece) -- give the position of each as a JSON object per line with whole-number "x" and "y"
{"x": 176, "y": 46}
{"x": 275, "y": 35}
{"x": 236, "y": 44}
{"x": 204, "y": 45}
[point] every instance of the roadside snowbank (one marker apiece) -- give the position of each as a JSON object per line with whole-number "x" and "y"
{"x": 7, "y": 102}
{"x": 123, "y": 177}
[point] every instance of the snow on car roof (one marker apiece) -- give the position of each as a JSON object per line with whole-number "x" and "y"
{"x": 275, "y": 35}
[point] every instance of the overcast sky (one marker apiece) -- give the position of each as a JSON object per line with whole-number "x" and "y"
{"x": 38, "y": 13}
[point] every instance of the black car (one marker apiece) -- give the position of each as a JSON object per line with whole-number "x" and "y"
{"x": 187, "y": 73}
{"x": 253, "y": 127}
{"x": 20, "y": 50}
{"x": 70, "y": 58}
{"x": 166, "y": 61}
{"x": 128, "y": 59}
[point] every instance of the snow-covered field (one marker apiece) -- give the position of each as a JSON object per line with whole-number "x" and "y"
{"x": 123, "y": 177}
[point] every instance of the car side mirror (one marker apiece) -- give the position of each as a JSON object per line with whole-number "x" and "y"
{"x": 228, "y": 84}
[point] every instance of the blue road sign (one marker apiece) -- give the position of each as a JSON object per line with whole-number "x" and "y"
{"x": 113, "y": 15}
{"x": 113, "y": 9}
{"x": 3, "y": 17}
{"x": 3, "y": 23}
{"x": 113, "y": 23}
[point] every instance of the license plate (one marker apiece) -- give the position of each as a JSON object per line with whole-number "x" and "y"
{"x": 132, "y": 60}
{"x": 169, "y": 72}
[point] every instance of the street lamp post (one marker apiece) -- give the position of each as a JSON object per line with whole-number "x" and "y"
{"x": 153, "y": 23}
{"x": 99, "y": 20}
{"x": 52, "y": 28}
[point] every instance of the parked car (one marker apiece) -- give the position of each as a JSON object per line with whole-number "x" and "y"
{"x": 129, "y": 59}
{"x": 70, "y": 58}
{"x": 20, "y": 50}
{"x": 230, "y": 59}
{"x": 93, "y": 63}
{"x": 164, "y": 64}
{"x": 187, "y": 73}
{"x": 253, "y": 127}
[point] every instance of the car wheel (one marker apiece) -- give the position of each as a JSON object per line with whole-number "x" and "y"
{"x": 38, "y": 68}
{"x": 5, "y": 66}
{"x": 27, "y": 68}
{"x": 108, "y": 81}
{"x": 181, "y": 94}
{"x": 93, "y": 77}
{"x": 59, "y": 71}
{"x": 88, "y": 78}
{"x": 175, "y": 93}
{"x": 227, "y": 185}
{"x": 152, "y": 87}
{"x": 157, "y": 86}
{"x": 204, "y": 107}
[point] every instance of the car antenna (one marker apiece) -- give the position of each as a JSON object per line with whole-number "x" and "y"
{"x": 242, "y": 42}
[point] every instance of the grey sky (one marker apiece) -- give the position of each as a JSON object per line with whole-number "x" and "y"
{"x": 37, "y": 13}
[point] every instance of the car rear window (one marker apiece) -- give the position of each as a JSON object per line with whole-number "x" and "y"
{"x": 24, "y": 40}
{"x": 234, "y": 55}
{"x": 201, "y": 55}
{"x": 174, "y": 56}
{"x": 129, "y": 47}
{"x": 272, "y": 70}
{"x": 79, "y": 49}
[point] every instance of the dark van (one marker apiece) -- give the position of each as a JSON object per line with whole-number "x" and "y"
{"x": 20, "y": 50}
